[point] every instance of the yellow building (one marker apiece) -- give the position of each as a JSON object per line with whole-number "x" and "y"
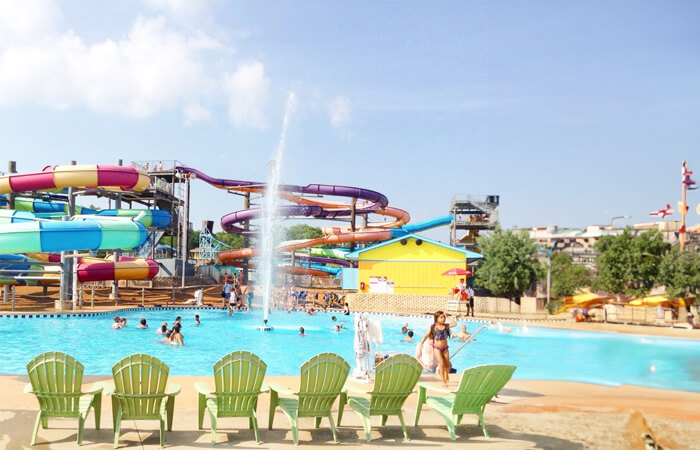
{"x": 410, "y": 265}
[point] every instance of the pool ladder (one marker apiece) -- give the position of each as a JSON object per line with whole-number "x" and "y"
{"x": 469, "y": 339}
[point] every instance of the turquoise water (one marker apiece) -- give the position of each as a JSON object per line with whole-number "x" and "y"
{"x": 539, "y": 353}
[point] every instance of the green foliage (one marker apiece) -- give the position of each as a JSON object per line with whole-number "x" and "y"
{"x": 554, "y": 305}
{"x": 303, "y": 231}
{"x": 230, "y": 239}
{"x": 193, "y": 241}
{"x": 680, "y": 273}
{"x": 509, "y": 266}
{"x": 566, "y": 276}
{"x": 629, "y": 264}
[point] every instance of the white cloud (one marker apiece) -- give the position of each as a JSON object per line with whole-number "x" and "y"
{"x": 153, "y": 69}
{"x": 196, "y": 113}
{"x": 27, "y": 20}
{"x": 340, "y": 112}
{"x": 180, "y": 8}
{"x": 247, "y": 91}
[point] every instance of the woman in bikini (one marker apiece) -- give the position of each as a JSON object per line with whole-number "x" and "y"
{"x": 439, "y": 332}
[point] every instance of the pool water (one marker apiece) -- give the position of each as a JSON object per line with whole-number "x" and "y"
{"x": 539, "y": 353}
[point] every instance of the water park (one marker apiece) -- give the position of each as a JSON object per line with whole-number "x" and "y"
{"x": 96, "y": 283}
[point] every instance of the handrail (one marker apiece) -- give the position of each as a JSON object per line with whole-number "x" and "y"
{"x": 469, "y": 339}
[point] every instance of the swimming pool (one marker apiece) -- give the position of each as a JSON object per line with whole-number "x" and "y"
{"x": 539, "y": 353}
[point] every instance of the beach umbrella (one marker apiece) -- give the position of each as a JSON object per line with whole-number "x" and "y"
{"x": 458, "y": 271}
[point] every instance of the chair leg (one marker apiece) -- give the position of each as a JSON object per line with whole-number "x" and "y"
{"x": 115, "y": 411}
{"x": 170, "y": 408}
{"x": 117, "y": 426}
{"x": 202, "y": 406}
{"x": 342, "y": 401}
{"x": 254, "y": 422}
{"x": 97, "y": 407}
{"x": 294, "y": 422}
{"x": 451, "y": 428}
{"x": 459, "y": 419}
{"x": 419, "y": 406}
{"x": 483, "y": 426}
{"x": 39, "y": 420}
{"x": 384, "y": 418}
{"x": 317, "y": 421}
{"x": 367, "y": 425}
{"x": 403, "y": 426}
{"x": 333, "y": 429}
{"x": 81, "y": 427}
{"x": 273, "y": 406}
{"x": 162, "y": 432}
{"x": 212, "y": 419}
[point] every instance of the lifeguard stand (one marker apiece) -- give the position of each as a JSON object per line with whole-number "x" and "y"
{"x": 472, "y": 214}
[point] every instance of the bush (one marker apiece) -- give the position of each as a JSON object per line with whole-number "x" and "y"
{"x": 554, "y": 305}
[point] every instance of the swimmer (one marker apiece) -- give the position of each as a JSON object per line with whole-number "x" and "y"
{"x": 334, "y": 318}
{"x": 166, "y": 336}
{"x": 462, "y": 335}
{"x": 311, "y": 312}
{"x": 409, "y": 336}
{"x": 123, "y": 323}
{"x": 142, "y": 323}
{"x": 301, "y": 331}
{"x": 196, "y": 319}
{"x": 117, "y": 322}
{"x": 404, "y": 329}
{"x": 163, "y": 328}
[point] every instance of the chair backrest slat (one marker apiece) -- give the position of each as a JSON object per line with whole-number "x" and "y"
{"x": 478, "y": 386}
{"x": 395, "y": 379}
{"x": 322, "y": 378}
{"x": 238, "y": 378}
{"x": 140, "y": 382}
{"x": 56, "y": 380}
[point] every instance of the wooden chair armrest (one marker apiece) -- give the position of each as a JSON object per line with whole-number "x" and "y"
{"x": 265, "y": 387}
{"x": 202, "y": 388}
{"x": 95, "y": 388}
{"x": 280, "y": 389}
{"x": 355, "y": 390}
{"x": 108, "y": 389}
{"x": 432, "y": 387}
{"x": 173, "y": 389}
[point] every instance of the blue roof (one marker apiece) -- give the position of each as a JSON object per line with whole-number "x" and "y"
{"x": 467, "y": 253}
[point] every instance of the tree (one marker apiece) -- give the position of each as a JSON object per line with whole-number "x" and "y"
{"x": 629, "y": 264}
{"x": 303, "y": 231}
{"x": 509, "y": 266}
{"x": 231, "y": 239}
{"x": 566, "y": 276}
{"x": 680, "y": 273}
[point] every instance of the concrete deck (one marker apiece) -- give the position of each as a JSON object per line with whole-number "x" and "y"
{"x": 527, "y": 414}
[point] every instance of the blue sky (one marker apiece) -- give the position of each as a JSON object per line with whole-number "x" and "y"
{"x": 571, "y": 112}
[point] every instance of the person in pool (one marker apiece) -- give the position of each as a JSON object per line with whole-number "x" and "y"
{"x": 143, "y": 323}
{"x": 462, "y": 335}
{"x": 301, "y": 331}
{"x": 439, "y": 332}
{"x": 196, "y": 319}
{"x": 117, "y": 322}
{"x": 409, "y": 336}
{"x": 163, "y": 328}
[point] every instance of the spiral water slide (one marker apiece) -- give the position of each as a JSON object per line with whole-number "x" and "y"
{"x": 22, "y": 232}
{"x": 368, "y": 202}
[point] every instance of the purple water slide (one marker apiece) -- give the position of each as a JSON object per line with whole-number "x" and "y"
{"x": 379, "y": 200}
{"x": 229, "y": 221}
{"x": 325, "y": 260}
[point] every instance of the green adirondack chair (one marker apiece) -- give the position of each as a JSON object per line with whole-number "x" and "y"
{"x": 395, "y": 378}
{"x": 322, "y": 379}
{"x": 238, "y": 378}
{"x": 56, "y": 379}
{"x": 478, "y": 386}
{"x": 139, "y": 393}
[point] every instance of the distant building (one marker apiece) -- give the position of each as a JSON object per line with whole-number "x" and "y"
{"x": 410, "y": 264}
{"x": 580, "y": 242}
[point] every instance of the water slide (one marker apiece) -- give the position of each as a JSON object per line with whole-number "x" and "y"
{"x": 22, "y": 232}
{"x": 367, "y": 202}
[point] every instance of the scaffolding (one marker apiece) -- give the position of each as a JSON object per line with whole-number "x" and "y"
{"x": 473, "y": 214}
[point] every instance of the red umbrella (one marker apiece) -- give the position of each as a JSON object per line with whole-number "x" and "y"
{"x": 457, "y": 271}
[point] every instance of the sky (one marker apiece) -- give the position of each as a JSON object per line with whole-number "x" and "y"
{"x": 571, "y": 112}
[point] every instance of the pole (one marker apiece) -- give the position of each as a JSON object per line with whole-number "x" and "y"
{"x": 13, "y": 297}
{"x": 683, "y": 208}
{"x": 115, "y": 284}
{"x": 353, "y": 211}
{"x": 549, "y": 276}
{"x": 11, "y": 168}
{"x": 185, "y": 229}
{"x": 246, "y": 239}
